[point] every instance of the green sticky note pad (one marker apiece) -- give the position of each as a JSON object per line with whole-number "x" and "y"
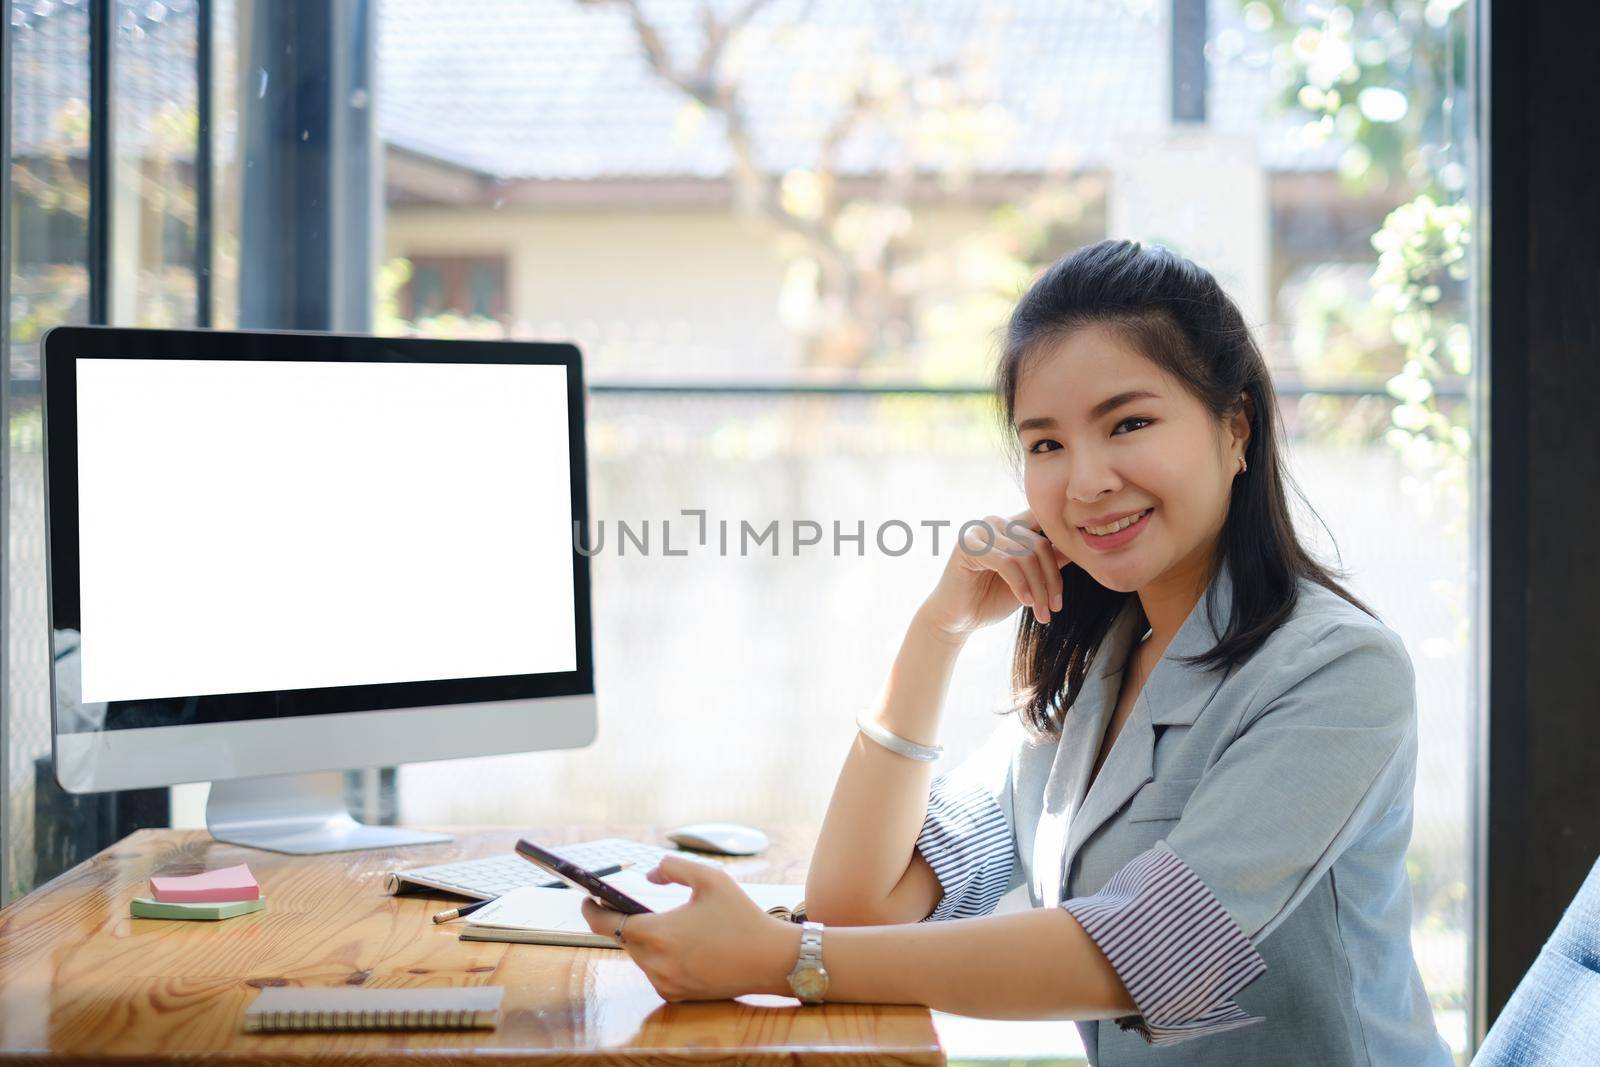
{"x": 150, "y": 908}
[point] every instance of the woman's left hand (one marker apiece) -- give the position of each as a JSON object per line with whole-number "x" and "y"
{"x": 718, "y": 945}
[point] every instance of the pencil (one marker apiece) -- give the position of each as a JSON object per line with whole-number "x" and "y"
{"x": 468, "y": 909}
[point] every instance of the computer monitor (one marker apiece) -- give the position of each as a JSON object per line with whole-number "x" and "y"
{"x": 275, "y": 556}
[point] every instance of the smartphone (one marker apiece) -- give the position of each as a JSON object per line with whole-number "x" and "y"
{"x": 581, "y": 878}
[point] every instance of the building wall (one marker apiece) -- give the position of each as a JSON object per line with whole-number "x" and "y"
{"x": 673, "y": 291}
{"x": 643, "y": 291}
{"x": 1206, "y": 195}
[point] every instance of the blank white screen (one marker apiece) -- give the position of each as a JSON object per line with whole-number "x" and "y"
{"x": 260, "y": 525}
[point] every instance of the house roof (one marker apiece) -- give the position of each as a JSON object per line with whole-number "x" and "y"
{"x": 551, "y": 90}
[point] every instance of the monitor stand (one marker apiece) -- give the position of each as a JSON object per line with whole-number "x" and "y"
{"x": 300, "y": 814}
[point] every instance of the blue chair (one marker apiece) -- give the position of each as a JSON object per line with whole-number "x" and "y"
{"x": 1553, "y": 1016}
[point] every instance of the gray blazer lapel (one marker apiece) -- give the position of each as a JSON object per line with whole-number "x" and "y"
{"x": 1063, "y": 793}
{"x": 1129, "y": 765}
{"x": 1063, "y": 790}
{"x": 1173, "y": 694}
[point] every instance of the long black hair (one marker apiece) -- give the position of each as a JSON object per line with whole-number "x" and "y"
{"x": 1176, "y": 314}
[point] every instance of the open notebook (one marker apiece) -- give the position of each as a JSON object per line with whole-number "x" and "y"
{"x": 542, "y": 915}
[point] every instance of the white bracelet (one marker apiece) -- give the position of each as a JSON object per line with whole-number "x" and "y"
{"x": 896, "y": 743}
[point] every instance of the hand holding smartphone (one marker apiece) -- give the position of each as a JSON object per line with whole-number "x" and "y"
{"x": 581, "y": 878}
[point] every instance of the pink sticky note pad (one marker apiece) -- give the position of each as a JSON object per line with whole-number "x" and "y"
{"x": 223, "y": 884}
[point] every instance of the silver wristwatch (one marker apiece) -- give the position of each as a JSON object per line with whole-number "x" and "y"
{"x": 809, "y": 979}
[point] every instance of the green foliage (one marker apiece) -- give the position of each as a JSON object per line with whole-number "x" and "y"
{"x": 1422, "y": 256}
{"x": 1387, "y": 76}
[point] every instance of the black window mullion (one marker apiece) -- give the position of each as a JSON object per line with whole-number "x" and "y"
{"x": 102, "y": 33}
{"x": 1539, "y": 833}
{"x": 306, "y": 139}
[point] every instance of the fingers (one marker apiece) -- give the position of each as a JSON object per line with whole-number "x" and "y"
{"x": 602, "y": 920}
{"x": 1055, "y": 556}
{"x": 639, "y": 942}
{"x": 1049, "y": 569}
{"x": 687, "y": 872}
{"x": 1024, "y": 558}
{"x": 1036, "y": 596}
{"x": 1036, "y": 565}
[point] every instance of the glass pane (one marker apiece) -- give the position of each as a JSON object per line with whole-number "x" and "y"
{"x": 153, "y": 179}
{"x": 49, "y": 285}
{"x": 293, "y": 164}
{"x": 1372, "y": 239}
{"x": 227, "y": 74}
{"x": 486, "y": 290}
{"x": 427, "y": 290}
{"x": 858, "y": 192}
{"x": 287, "y": 103}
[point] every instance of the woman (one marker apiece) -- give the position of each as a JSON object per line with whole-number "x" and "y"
{"x": 1206, "y": 783}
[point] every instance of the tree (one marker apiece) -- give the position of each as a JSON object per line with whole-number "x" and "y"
{"x": 859, "y": 288}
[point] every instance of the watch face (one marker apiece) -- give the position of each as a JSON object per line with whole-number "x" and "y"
{"x": 809, "y": 983}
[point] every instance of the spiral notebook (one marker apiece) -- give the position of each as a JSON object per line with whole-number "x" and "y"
{"x": 358, "y": 1008}
{"x": 539, "y": 915}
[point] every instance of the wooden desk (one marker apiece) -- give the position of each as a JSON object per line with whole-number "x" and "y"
{"x": 82, "y": 982}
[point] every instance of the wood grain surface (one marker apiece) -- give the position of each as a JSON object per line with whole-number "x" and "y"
{"x": 83, "y": 982}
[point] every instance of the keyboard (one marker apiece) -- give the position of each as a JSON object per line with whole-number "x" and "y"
{"x": 489, "y": 877}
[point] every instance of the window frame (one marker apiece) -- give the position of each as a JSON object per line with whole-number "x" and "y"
{"x": 5, "y": 451}
{"x": 1529, "y": 856}
{"x": 1537, "y": 838}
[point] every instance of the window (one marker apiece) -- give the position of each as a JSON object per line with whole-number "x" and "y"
{"x": 469, "y": 286}
{"x": 749, "y": 234}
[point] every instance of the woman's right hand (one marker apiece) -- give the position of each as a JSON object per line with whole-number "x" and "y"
{"x": 983, "y": 585}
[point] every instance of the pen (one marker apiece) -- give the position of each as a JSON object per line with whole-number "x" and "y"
{"x": 468, "y": 909}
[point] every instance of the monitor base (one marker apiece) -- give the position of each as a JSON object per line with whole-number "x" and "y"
{"x": 300, "y": 814}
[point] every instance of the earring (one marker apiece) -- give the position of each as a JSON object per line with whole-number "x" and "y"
{"x": 1243, "y": 466}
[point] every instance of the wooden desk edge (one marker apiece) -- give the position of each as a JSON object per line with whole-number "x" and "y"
{"x": 134, "y": 997}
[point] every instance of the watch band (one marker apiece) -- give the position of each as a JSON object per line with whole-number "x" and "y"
{"x": 896, "y": 743}
{"x": 809, "y": 979}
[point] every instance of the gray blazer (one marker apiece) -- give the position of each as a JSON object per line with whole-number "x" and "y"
{"x": 1285, "y": 785}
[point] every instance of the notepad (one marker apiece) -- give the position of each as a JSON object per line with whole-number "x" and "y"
{"x": 541, "y": 915}
{"x": 222, "y": 884}
{"x": 147, "y": 908}
{"x": 359, "y": 1008}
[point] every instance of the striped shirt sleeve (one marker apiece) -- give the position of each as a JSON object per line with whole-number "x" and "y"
{"x": 1179, "y": 953}
{"x": 968, "y": 843}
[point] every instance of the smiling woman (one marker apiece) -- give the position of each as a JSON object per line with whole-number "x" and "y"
{"x": 1222, "y": 808}
{"x": 1211, "y": 824}
{"x": 1134, "y": 386}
